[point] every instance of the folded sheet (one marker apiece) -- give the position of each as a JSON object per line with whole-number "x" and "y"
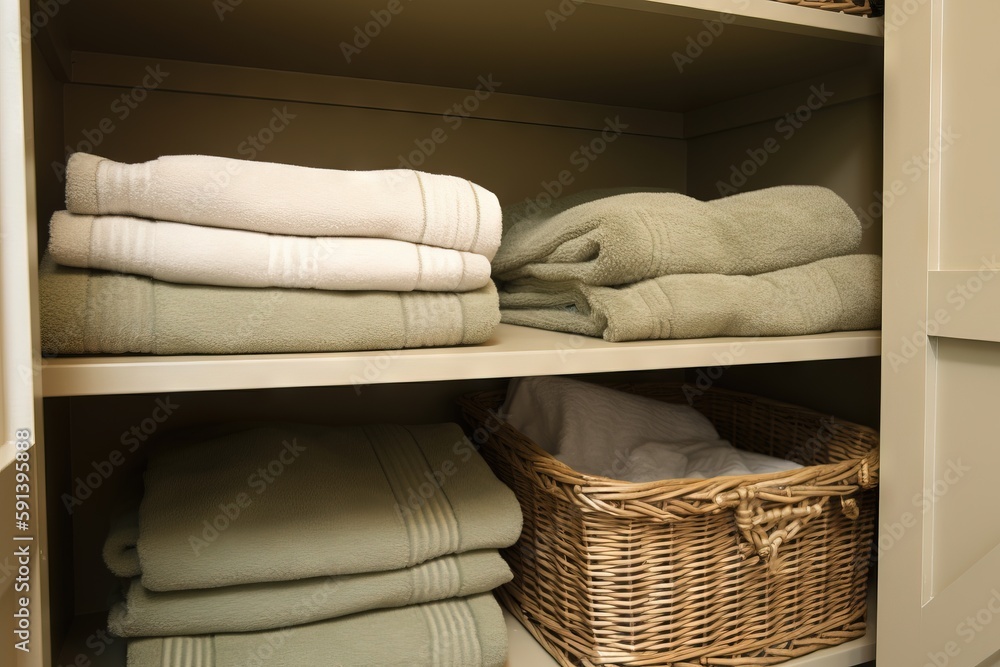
{"x": 295, "y": 501}
{"x": 268, "y": 606}
{"x": 85, "y": 312}
{"x": 624, "y": 238}
{"x": 192, "y": 254}
{"x": 406, "y": 205}
{"x": 836, "y": 294}
{"x": 463, "y": 632}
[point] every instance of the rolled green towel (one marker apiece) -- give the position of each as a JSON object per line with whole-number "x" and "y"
{"x": 92, "y": 312}
{"x": 462, "y": 632}
{"x": 836, "y": 294}
{"x": 617, "y": 239}
{"x": 287, "y": 502}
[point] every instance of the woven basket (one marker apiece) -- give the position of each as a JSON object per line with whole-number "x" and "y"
{"x": 847, "y": 6}
{"x": 749, "y": 570}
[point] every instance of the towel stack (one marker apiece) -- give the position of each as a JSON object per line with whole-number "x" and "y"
{"x": 215, "y": 255}
{"x": 306, "y": 545}
{"x": 650, "y": 265}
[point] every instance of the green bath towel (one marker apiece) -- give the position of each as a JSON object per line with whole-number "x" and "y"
{"x": 267, "y": 606}
{"x": 287, "y": 502}
{"x": 91, "y": 312}
{"x": 463, "y": 632}
{"x": 624, "y": 238}
{"x": 836, "y": 294}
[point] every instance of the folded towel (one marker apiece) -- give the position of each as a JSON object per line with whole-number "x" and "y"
{"x": 836, "y": 294}
{"x": 443, "y": 211}
{"x": 267, "y": 606}
{"x": 463, "y": 632}
{"x": 592, "y": 428}
{"x": 288, "y": 502}
{"x": 181, "y": 253}
{"x": 601, "y": 431}
{"x": 629, "y": 237}
{"x": 85, "y": 312}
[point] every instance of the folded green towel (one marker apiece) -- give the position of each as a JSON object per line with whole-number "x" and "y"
{"x": 288, "y": 502}
{"x": 267, "y": 606}
{"x": 624, "y": 238}
{"x": 836, "y": 294}
{"x": 85, "y": 312}
{"x": 463, "y": 632}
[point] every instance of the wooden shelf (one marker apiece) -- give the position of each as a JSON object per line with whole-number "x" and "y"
{"x": 513, "y": 352}
{"x": 623, "y": 53}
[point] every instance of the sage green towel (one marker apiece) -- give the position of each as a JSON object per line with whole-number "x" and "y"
{"x": 624, "y": 238}
{"x": 267, "y": 606}
{"x": 87, "y": 312}
{"x": 462, "y": 632}
{"x": 836, "y": 294}
{"x": 296, "y": 501}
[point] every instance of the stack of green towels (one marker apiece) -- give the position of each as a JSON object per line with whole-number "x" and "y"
{"x": 294, "y": 545}
{"x": 634, "y": 265}
{"x": 196, "y": 254}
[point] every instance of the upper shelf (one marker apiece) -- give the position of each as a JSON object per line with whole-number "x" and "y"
{"x": 664, "y": 55}
{"x": 513, "y": 352}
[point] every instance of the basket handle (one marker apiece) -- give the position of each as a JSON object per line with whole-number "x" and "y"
{"x": 764, "y": 531}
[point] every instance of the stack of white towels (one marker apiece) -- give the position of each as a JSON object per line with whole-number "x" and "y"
{"x": 601, "y": 431}
{"x": 307, "y": 259}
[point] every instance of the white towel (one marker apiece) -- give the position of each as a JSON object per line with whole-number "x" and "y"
{"x": 401, "y": 204}
{"x": 182, "y": 253}
{"x": 593, "y": 429}
{"x": 601, "y": 431}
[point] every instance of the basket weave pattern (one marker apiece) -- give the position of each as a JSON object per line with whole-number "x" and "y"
{"x": 845, "y": 6}
{"x": 748, "y": 570}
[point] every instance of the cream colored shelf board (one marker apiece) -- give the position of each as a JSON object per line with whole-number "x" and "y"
{"x": 513, "y": 352}
{"x": 767, "y": 14}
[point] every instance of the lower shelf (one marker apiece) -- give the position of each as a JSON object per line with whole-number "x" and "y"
{"x": 89, "y": 644}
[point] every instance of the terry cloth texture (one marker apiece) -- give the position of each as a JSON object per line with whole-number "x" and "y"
{"x": 87, "y": 312}
{"x": 406, "y": 205}
{"x": 288, "y": 502}
{"x": 835, "y": 294}
{"x": 272, "y": 605}
{"x": 462, "y": 632}
{"x": 181, "y": 253}
{"x": 625, "y": 238}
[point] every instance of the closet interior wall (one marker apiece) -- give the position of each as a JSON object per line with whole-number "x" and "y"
{"x": 839, "y": 146}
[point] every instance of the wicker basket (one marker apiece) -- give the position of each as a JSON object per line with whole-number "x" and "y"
{"x": 748, "y": 570}
{"x": 862, "y": 7}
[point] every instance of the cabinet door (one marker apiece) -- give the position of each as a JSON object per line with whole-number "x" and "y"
{"x": 22, "y": 523}
{"x": 939, "y": 541}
